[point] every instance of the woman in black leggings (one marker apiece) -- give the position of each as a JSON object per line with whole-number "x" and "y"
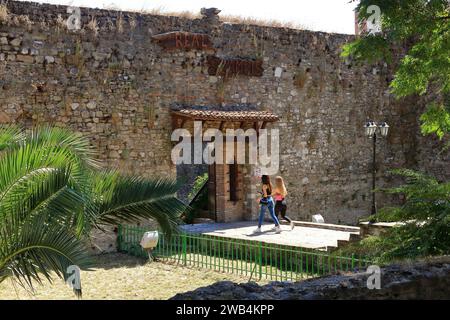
{"x": 280, "y": 194}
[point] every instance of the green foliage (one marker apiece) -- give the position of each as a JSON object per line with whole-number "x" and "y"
{"x": 425, "y": 221}
{"x": 198, "y": 184}
{"x": 436, "y": 120}
{"x": 10, "y": 136}
{"x": 198, "y": 200}
{"x": 51, "y": 195}
{"x": 426, "y": 198}
{"x": 422, "y": 28}
{"x": 117, "y": 199}
{"x": 372, "y": 50}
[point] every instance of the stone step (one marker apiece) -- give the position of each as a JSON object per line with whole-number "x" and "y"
{"x": 337, "y": 227}
{"x": 203, "y": 220}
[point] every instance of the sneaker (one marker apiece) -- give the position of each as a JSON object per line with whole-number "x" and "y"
{"x": 277, "y": 229}
{"x": 257, "y": 230}
{"x": 292, "y": 225}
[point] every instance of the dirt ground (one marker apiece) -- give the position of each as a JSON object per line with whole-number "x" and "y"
{"x": 119, "y": 276}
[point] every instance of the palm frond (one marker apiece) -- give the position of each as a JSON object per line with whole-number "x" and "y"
{"x": 76, "y": 145}
{"x": 121, "y": 199}
{"x": 34, "y": 157}
{"x": 51, "y": 196}
{"x": 38, "y": 249}
{"x": 10, "y": 136}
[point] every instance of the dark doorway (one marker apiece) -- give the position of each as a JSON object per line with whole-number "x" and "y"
{"x": 212, "y": 192}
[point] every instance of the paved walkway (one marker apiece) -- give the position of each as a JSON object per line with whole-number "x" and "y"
{"x": 305, "y": 237}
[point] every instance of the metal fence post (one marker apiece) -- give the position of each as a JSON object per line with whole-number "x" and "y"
{"x": 244, "y": 254}
{"x": 119, "y": 237}
{"x": 260, "y": 259}
{"x": 184, "y": 247}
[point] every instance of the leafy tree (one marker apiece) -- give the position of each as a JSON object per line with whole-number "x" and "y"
{"x": 52, "y": 193}
{"x": 415, "y": 38}
{"x": 424, "y": 218}
{"x": 419, "y": 32}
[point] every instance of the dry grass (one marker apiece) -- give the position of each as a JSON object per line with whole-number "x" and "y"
{"x": 4, "y": 14}
{"x": 61, "y": 24}
{"x": 300, "y": 78}
{"x": 119, "y": 276}
{"x": 133, "y": 23}
{"x": 92, "y": 25}
{"x": 234, "y": 19}
{"x": 119, "y": 24}
{"x": 261, "y": 22}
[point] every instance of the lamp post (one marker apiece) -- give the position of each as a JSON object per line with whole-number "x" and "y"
{"x": 372, "y": 129}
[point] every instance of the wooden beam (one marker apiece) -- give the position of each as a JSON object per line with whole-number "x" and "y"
{"x": 222, "y": 124}
{"x": 257, "y": 127}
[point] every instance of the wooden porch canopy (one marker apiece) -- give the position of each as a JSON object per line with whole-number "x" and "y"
{"x": 258, "y": 118}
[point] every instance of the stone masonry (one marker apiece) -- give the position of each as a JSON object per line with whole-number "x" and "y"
{"x": 427, "y": 280}
{"x": 110, "y": 81}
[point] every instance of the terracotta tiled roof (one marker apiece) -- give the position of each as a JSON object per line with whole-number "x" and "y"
{"x": 219, "y": 115}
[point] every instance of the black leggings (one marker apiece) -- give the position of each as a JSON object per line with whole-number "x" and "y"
{"x": 281, "y": 208}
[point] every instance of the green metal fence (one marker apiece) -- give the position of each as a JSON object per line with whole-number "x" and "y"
{"x": 254, "y": 259}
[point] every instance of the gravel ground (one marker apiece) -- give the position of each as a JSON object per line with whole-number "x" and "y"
{"x": 119, "y": 276}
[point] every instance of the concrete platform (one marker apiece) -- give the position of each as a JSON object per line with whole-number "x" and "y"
{"x": 301, "y": 236}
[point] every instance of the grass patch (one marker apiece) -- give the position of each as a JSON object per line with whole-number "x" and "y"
{"x": 120, "y": 276}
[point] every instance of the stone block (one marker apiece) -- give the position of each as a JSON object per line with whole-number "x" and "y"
{"x": 24, "y": 58}
{"x": 4, "y": 118}
{"x": 15, "y": 42}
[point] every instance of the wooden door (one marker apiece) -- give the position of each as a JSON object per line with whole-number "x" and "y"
{"x": 212, "y": 192}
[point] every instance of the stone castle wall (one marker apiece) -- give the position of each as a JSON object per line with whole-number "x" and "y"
{"x": 117, "y": 86}
{"x": 427, "y": 280}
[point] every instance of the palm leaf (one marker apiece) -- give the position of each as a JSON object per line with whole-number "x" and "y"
{"x": 51, "y": 196}
{"x": 130, "y": 199}
{"x": 9, "y": 136}
{"x": 39, "y": 248}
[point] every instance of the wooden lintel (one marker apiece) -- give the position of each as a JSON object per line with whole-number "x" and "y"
{"x": 178, "y": 120}
{"x": 256, "y": 126}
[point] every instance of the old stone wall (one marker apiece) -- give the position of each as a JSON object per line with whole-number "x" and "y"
{"x": 110, "y": 81}
{"x": 419, "y": 280}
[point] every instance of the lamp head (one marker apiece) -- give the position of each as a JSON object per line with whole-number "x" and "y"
{"x": 384, "y": 128}
{"x": 370, "y": 128}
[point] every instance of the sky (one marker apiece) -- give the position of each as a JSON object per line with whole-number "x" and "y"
{"x": 318, "y": 15}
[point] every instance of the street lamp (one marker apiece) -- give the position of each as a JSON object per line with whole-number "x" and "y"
{"x": 371, "y": 129}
